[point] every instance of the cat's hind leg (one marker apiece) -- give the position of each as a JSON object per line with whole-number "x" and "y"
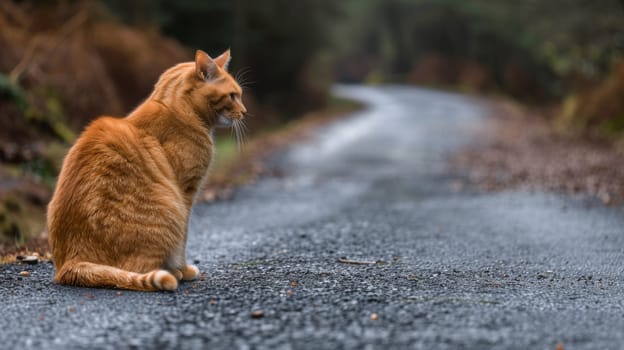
{"x": 190, "y": 273}
{"x": 185, "y": 273}
{"x": 176, "y": 273}
{"x": 178, "y": 267}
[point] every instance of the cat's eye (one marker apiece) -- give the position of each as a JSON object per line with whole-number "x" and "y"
{"x": 233, "y": 96}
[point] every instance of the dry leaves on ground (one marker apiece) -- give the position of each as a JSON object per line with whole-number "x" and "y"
{"x": 519, "y": 149}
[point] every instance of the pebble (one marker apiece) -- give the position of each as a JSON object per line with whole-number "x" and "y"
{"x": 545, "y": 274}
{"x": 24, "y": 273}
{"x": 257, "y": 314}
{"x": 29, "y": 259}
{"x": 374, "y": 317}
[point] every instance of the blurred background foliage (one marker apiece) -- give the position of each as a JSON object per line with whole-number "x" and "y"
{"x": 64, "y": 62}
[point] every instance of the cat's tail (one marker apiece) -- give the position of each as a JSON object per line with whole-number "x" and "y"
{"x": 86, "y": 274}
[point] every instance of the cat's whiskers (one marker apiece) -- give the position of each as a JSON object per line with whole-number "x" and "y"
{"x": 232, "y": 132}
{"x": 242, "y": 73}
{"x": 242, "y": 79}
{"x": 243, "y": 131}
{"x": 239, "y": 128}
{"x": 237, "y": 133}
{"x": 243, "y": 124}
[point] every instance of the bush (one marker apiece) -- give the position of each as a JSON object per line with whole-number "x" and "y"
{"x": 599, "y": 110}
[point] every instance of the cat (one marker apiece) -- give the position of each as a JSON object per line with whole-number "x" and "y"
{"x": 119, "y": 215}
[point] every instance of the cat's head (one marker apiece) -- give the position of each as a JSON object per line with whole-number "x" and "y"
{"x": 216, "y": 94}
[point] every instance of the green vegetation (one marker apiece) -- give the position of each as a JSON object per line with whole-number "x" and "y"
{"x": 19, "y": 220}
{"x": 540, "y": 52}
{"x": 279, "y": 43}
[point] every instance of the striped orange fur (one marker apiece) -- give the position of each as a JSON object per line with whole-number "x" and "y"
{"x": 119, "y": 214}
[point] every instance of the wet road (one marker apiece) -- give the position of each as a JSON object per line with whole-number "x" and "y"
{"x": 453, "y": 269}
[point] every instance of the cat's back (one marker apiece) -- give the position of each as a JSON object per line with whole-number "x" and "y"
{"x": 112, "y": 170}
{"x": 111, "y": 154}
{"x": 104, "y": 135}
{"x": 103, "y": 143}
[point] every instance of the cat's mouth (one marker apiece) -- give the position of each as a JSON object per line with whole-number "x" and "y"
{"x": 224, "y": 122}
{"x": 237, "y": 123}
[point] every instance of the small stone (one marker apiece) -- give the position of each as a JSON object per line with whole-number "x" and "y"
{"x": 257, "y": 314}
{"x": 545, "y": 274}
{"x": 30, "y": 260}
{"x": 24, "y": 273}
{"x": 374, "y": 316}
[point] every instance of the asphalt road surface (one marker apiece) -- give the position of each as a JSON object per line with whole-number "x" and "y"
{"x": 440, "y": 267}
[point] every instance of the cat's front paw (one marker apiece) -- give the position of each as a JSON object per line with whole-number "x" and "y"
{"x": 190, "y": 272}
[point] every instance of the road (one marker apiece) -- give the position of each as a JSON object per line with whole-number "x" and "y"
{"x": 451, "y": 268}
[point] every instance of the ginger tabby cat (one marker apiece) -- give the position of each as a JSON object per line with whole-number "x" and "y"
{"x": 120, "y": 211}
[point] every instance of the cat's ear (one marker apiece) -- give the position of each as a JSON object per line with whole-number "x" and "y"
{"x": 224, "y": 60}
{"x": 205, "y": 67}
